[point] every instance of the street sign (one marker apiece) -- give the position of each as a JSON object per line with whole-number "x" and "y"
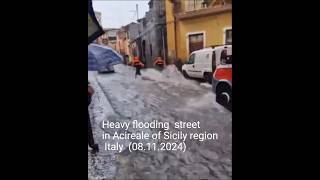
{"x": 94, "y": 28}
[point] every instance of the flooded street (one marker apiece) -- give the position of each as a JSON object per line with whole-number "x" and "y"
{"x": 166, "y": 97}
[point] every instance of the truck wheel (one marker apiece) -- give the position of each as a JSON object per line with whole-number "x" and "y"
{"x": 224, "y": 96}
{"x": 185, "y": 74}
{"x": 208, "y": 77}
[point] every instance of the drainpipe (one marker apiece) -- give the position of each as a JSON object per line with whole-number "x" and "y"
{"x": 163, "y": 45}
{"x": 175, "y": 35}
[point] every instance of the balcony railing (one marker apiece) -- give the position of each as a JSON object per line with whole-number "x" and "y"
{"x": 194, "y": 5}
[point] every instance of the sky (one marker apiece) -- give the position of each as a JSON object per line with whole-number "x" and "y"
{"x": 117, "y": 13}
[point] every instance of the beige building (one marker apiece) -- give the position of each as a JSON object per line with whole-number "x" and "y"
{"x": 109, "y": 38}
{"x": 122, "y": 44}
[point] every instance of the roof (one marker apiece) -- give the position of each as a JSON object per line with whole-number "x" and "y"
{"x": 132, "y": 23}
{"x": 109, "y": 29}
{"x": 141, "y": 19}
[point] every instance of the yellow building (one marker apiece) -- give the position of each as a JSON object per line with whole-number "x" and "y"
{"x": 196, "y": 24}
{"x": 122, "y": 43}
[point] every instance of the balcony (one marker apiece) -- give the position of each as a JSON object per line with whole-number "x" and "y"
{"x": 199, "y": 11}
{"x": 193, "y": 5}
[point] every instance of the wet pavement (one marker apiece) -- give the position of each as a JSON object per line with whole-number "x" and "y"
{"x": 166, "y": 97}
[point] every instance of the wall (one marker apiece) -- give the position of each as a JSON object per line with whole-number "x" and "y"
{"x": 113, "y": 33}
{"x": 171, "y": 39}
{"x": 122, "y": 45}
{"x": 152, "y": 33}
{"x": 133, "y": 31}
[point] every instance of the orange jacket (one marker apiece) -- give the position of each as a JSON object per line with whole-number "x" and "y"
{"x": 136, "y": 62}
{"x": 159, "y": 61}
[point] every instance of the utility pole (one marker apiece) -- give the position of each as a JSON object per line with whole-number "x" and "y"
{"x": 137, "y": 9}
{"x": 140, "y": 49}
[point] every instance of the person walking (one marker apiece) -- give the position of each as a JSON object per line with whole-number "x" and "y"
{"x": 95, "y": 147}
{"x": 138, "y": 65}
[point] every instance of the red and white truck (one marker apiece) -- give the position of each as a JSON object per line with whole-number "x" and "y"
{"x": 222, "y": 79}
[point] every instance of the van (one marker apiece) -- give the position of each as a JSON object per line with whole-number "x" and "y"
{"x": 202, "y": 63}
{"x": 222, "y": 80}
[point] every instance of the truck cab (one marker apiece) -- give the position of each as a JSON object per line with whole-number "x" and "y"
{"x": 222, "y": 79}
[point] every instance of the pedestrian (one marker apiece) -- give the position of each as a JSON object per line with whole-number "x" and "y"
{"x": 159, "y": 62}
{"x": 138, "y": 65}
{"x": 95, "y": 147}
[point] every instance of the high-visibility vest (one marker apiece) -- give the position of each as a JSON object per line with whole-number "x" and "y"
{"x": 159, "y": 61}
{"x": 136, "y": 61}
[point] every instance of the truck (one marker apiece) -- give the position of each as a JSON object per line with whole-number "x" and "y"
{"x": 222, "y": 79}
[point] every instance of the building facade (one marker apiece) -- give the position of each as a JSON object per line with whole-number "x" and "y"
{"x": 151, "y": 40}
{"x": 196, "y": 24}
{"x": 109, "y": 38}
{"x": 122, "y": 44}
{"x": 132, "y": 31}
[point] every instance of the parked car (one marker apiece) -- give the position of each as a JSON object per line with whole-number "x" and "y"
{"x": 222, "y": 79}
{"x": 108, "y": 69}
{"x": 202, "y": 63}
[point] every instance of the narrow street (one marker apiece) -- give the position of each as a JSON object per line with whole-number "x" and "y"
{"x": 168, "y": 97}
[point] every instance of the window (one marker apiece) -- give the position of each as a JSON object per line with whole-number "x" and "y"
{"x": 192, "y": 5}
{"x": 144, "y": 23}
{"x": 228, "y": 36}
{"x": 112, "y": 33}
{"x": 225, "y": 57}
{"x": 191, "y": 59}
{"x": 214, "y": 61}
{"x": 196, "y": 38}
{"x": 206, "y": 3}
{"x": 150, "y": 4}
{"x": 196, "y": 42}
{"x": 112, "y": 38}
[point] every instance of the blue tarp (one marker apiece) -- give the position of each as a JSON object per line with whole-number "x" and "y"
{"x": 102, "y": 58}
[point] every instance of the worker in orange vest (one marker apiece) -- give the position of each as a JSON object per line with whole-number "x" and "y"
{"x": 159, "y": 61}
{"x": 138, "y": 65}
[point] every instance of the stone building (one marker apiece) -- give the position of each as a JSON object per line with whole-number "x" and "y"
{"x": 151, "y": 40}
